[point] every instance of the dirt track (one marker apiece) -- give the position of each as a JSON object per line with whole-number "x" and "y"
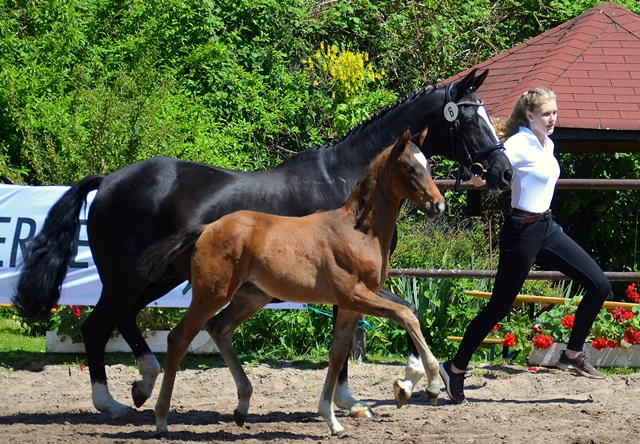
{"x": 508, "y": 405}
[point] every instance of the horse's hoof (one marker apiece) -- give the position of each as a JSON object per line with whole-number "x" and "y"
{"x": 138, "y": 395}
{"x": 402, "y": 395}
{"x": 239, "y": 418}
{"x": 122, "y": 413}
{"x": 363, "y": 413}
{"x": 164, "y": 434}
{"x": 432, "y": 397}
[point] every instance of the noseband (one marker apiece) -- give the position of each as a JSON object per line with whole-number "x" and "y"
{"x": 473, "y": 155}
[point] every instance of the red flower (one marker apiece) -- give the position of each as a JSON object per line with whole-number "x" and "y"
{"x": 82, "y": 366}
{"x": 632, "y": 295}
{"x": 76, "y": 311}
{"x": 599, "y": 343}
{"x": 537, "y": 329}
{"x": 541, "y": 341}
{"x": 495, "y": 327}
{"x": 612, "y": 344}
{"x": 632, "y": 336}
{"x": 567, "y": 321}
{"x": 509, "y": 340}
{"x": 621, "y": 315}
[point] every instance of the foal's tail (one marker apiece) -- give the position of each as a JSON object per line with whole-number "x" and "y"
{"x": 153, "y": 262}
{"x": 47, "y": 257}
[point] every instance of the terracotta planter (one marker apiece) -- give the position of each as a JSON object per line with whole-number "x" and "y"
{"x": 157, "y": 340}
{"x": 608, "y": 357}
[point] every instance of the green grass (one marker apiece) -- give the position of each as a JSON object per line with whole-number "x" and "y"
{"x": 10, "y": 341}
{"x": 9, "y": 325}
{"x": 13, "y": 343}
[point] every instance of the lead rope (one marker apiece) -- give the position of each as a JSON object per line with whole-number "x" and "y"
{"x": 363, "y": 324}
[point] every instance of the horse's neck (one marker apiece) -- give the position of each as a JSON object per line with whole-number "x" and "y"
{"x": 348, "y": 158}
{"x": 372, "y": 136}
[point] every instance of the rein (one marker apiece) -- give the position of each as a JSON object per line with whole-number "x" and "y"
{"x": 451, "y": 115}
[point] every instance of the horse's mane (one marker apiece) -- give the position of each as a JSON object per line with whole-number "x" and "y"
{"x": 376, "y": 115}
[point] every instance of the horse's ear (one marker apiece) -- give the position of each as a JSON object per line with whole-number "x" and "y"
{"x": 418, "y": 138}
{"x": 480, "y": 79}
{"x": 465, "y": 83}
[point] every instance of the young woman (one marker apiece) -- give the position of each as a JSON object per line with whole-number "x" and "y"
{"x": 531, "y": 233}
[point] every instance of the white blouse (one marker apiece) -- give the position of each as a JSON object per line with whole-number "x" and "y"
{"x": 537, "y": 171}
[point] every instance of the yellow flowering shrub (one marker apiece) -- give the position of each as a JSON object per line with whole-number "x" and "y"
{"x": 349, "y": 80}
{"x": 346, "y": 72}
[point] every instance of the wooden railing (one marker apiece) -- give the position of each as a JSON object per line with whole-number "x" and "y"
{"x": 563, "y": 184}
{"x": 617, "y": 276}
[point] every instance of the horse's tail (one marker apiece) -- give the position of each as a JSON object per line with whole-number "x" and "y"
{"x": 154, "y": 261}
{"x": 46, "y": 260}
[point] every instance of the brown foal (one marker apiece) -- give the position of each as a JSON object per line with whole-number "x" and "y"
{"x": 336, "y": 257}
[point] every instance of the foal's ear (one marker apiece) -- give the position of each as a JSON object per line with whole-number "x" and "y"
{"x": 401, "y": 143}
{"x": 418, "y": 138}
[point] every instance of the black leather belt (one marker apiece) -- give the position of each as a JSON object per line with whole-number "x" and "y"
{"x": 529, "y": 217}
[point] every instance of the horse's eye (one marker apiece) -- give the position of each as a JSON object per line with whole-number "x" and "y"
{"x": 410, "y": 170}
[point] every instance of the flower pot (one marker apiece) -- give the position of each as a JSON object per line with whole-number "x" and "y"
{"x": 157, "y": 340}
{"x": 607, "y": 357}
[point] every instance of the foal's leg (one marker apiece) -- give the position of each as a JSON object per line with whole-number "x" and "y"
{"x": 342, "y": 397}
{"x": 344, "y": 325}
{"x": 177, "y": 345}
{"x": 369, "y": 303}
{"x": 403, "y": 388}
{"x": 247, "y": 301}
{"x": 414, "y": 369}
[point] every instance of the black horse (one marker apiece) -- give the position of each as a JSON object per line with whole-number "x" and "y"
{"x": 142, "y": 203}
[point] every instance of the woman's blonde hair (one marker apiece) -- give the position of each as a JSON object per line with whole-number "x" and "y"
{"x": 528, "y": 101}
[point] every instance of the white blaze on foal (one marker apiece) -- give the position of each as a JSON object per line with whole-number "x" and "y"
{"x": 421, "y": 159}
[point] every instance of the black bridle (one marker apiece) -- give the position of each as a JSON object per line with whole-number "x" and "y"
{"x": 473, "y": 155}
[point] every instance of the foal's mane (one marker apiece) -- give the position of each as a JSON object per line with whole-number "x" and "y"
{"x": 369, "y": 183}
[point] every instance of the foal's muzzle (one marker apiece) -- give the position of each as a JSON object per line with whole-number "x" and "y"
{"x": 434, "y": 209}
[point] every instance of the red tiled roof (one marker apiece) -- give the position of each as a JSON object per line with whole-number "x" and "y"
{"x": 592, "y": 62}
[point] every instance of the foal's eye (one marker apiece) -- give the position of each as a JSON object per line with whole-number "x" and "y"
{"x": 410, "y": 170}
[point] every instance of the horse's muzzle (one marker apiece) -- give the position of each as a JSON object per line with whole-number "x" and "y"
{"x": 500, "y": 178}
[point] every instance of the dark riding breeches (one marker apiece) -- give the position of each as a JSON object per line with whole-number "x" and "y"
{"x": 520, "y": 245}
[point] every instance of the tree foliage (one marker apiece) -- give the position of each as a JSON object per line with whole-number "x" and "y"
{"x": 89, "y": 86}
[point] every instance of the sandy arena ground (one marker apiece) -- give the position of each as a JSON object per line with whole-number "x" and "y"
{"x": 508, "y": 404}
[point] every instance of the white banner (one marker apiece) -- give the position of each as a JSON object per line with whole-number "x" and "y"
{"x": 23, "y": 210}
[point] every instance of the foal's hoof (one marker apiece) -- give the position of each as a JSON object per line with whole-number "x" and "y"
{"x": 239, "y": 418}
{"x": 340, "y": 432}
{"x": 402, "y": 394}
{"x": 362, "y": 413}
{"x": 138, "y": 395}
